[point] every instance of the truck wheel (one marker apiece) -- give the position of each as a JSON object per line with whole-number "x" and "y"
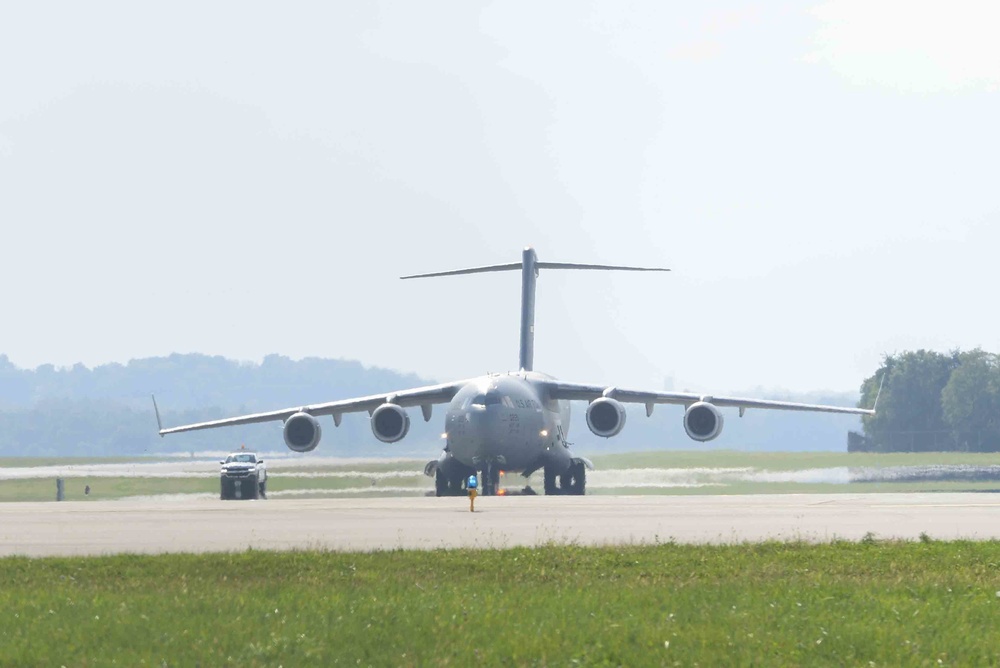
{"x": 250, "y": 489}
{"x": 226, "y": 491}
{"x": 263, "y": 489}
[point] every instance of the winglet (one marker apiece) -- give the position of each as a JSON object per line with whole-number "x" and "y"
{"x": 159, "y": 422}
{"x": 879, "y": 393}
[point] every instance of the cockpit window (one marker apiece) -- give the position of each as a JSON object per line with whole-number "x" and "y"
{"x": 488, "y": 399}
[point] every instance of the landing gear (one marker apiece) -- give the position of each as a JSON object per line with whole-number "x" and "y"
{"x": 490, "y": 480}
{"x": 445, "y": 486}
{"x": 550, "y": 482}
{"x": 573, "y": 481}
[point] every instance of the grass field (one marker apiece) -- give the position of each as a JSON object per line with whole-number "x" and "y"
{"x": 44, "y": 489}
{"x": 857, "y": 604}
{"x": 104, "y": 488}
{"x": 404, "y": 477}
{"x": 785, "y": 461}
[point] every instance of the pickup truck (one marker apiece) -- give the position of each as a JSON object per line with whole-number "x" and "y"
{"x": 243, "y": 476}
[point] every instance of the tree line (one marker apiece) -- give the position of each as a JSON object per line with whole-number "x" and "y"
{"x": 107, "y": 410}
{"x": 932, "y": 401}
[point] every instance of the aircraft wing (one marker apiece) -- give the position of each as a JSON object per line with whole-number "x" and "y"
{"x": 419, "y": 396}
{"x": 561, "y": 390}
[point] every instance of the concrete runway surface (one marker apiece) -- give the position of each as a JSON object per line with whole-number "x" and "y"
{"x": 163, "y": 524}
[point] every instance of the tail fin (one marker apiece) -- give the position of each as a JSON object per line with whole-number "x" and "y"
{"x": 529, "y": 266}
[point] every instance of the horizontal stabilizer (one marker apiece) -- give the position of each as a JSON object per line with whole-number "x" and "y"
{"x": 529, "y": 267}
{"x": 539, "y": 265}
{"x": 605, "y": 267}
{"x": 473, "y": 270}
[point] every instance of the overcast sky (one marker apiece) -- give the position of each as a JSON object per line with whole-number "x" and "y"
{"x": 252, "y": 178}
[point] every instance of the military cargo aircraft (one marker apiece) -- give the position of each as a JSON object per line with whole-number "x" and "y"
{"x": 516, "y": 422}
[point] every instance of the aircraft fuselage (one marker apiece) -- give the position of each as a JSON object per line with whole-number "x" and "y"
{"x": 507, "y": 421}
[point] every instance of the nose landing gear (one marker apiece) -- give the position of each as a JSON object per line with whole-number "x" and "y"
{"x": 490, "y": 479}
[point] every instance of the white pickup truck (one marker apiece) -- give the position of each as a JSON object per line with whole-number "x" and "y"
{"x": 243, "y": 476}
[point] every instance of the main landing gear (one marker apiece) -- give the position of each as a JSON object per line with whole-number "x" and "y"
{"x": 573, "y": 481}
{"x": 448, "y": 486}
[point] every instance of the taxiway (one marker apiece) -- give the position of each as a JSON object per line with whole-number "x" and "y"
{"x": 209, "y": 525}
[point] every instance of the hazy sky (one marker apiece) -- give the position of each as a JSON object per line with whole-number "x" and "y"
{"x": 252, "y": 178}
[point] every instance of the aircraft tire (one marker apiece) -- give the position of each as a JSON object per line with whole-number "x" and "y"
{"x": 574, "y": 481}
{"x": 445, "y": 486}
{"x": 579, "y": 479}
{"x": 550, "y": 482}
{"x": 566, "y": 482}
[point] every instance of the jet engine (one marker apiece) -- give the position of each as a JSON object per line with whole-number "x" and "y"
{"x": 302, "y": 432}
{"x": 702, "y": 421}
{"x": 390, "y": 423}
{"x": 605, "y": 417}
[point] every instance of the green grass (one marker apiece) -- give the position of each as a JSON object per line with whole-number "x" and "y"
{"x": 18, "y": 462}
{"x": 856, "y": 604}
{"x": 44, "y": 489}
{"x": 787, "y": 461}
{"x": 112, "y": 488}
{"x": 806, "y": 488}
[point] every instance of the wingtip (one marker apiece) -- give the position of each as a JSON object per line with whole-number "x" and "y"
{"x": 159, "y": 422}
{"x": 878, "y": 394}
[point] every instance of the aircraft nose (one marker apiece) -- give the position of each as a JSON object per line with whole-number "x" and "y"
{"x": 488, "y": 427}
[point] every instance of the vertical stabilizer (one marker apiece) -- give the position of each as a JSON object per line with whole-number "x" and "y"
{"x": 529, "y": 272}
{"x": 529, "y": 266}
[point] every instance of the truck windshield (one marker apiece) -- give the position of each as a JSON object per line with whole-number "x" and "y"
{"x": 241, "y": 458}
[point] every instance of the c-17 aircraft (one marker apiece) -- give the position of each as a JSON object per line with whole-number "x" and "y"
{"x": 516, "y": 421}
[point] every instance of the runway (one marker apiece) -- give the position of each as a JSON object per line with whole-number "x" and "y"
{"x": 207, "y": 525}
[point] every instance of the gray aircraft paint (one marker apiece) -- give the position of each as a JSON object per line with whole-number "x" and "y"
{"x": 516, "y": 421}
{"x": 529, "y": 266}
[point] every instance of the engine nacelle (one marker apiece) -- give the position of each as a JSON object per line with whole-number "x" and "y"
{"x": 390, "y": 423}
{"x": 702, "y": 421}
{"x": 605, "y": 417}
{"x": 302, "y": 432}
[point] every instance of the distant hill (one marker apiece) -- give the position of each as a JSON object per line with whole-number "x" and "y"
{"x": 107, "y": 411}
